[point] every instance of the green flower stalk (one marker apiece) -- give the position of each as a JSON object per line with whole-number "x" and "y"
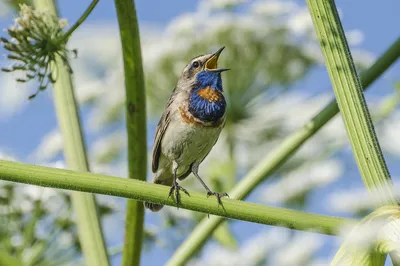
{"x": 38, "y": 43}
{"x": 35, "y": 41}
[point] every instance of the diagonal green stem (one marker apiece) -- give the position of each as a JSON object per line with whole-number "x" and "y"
{"x": 144, "y": 191}
{"x": 349, "y": 95}
{"x": 277, "y": 157}
{"x": 135, "y": 124}
{"x": 85, "y": 14}
{"x": 88, "y": 222}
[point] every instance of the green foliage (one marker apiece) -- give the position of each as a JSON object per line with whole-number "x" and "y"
{"x": 31, "y": 218}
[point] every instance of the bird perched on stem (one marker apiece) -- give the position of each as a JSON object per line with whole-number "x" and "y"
{"x": 190, "y": 126}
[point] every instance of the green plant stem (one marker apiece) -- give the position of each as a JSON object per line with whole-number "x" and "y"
{"x": 144, "y": 191}
{"x": 277, "y": 157}
{"x": 135, "y": 124}
{"x": 9, "y": 260}
{"x": 80, "y": 20}
{"x": 349, "y": 95}
{"x": 88, "y": 222}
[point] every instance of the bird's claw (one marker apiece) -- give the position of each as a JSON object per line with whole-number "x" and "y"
{"x": 176, "y": 187}
{"x": 217, "y": 195}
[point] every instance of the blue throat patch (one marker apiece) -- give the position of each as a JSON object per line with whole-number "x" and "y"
{"x": 206, "y": 101}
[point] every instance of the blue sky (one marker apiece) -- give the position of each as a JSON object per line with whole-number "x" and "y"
{"x": 378, "y": 21}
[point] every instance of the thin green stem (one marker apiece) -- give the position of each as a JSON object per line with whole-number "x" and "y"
{"x": 88, "y": 222}
{"x": 144, "y": 191}
{"x": 79, "y": 21}
{"x": 277, "y": 157}
{"x": 135, "y": 125}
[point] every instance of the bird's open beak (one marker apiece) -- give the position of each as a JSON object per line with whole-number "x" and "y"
{"x": 211, "y": 63}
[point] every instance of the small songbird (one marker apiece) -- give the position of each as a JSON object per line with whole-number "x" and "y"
{"x": 190, "y": 126}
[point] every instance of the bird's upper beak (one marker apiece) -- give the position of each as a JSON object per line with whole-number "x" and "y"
{"x": 211, "y": 63}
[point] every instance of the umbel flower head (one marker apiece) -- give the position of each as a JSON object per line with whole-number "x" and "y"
{"x": 36, "y": 39}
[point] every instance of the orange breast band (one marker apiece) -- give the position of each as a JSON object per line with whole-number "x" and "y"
{"x": 209, "y": 94}
{"x": 187, "y": 117}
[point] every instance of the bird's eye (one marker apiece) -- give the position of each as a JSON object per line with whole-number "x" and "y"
{"x": 195, "y": 64}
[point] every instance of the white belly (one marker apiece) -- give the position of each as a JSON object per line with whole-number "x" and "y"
{"x": 186, "y": 144}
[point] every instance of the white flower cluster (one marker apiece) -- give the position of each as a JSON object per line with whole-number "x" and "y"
{"x": 35, "y": 40}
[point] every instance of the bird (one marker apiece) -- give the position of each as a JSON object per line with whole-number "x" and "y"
{"x": 190, "y": 126}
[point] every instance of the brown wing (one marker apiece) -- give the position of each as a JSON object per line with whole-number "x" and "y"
{"x": 161, "y": 127}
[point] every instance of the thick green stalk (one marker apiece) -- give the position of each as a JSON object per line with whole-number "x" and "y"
{"x": 348, "y": 90}
{"x": 135, "y": 124}
{"x": 88, "y": 222}
{"x": 349, "y": 95}
{"x": 144, "y": 191}
{"x": 277, "y": 157}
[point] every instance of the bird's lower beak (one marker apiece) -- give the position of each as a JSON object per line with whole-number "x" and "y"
{"x": 211, "y": 64}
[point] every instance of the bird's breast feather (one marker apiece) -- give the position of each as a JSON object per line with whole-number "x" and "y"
{"x": 190, "y": 119}
{"x": 209, "y": 94}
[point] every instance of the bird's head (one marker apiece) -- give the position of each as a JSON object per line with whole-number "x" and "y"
{"x": 202, "y": 71}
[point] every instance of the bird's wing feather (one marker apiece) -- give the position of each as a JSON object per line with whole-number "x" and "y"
{"x": 161, "y": 128}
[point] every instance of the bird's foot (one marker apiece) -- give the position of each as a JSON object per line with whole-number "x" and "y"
{"x": 217, "y": 195}
{"x": 176, "y": 187}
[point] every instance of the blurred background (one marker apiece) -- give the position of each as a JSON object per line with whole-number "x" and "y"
{"x": 276, "y": 83}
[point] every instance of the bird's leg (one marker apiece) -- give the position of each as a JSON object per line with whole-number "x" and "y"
{"x": 175, "y": 186}
{"x": 218, "y": 195}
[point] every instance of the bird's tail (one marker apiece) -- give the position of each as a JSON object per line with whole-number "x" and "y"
{"x": 155, "y": 207}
